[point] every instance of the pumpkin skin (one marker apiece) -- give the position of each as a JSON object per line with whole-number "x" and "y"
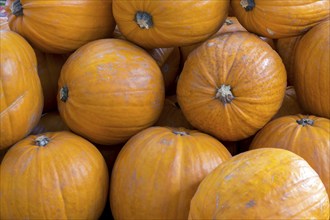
{"x": 20, "y": 90}
{"x": 50, "y": 122}
{"x": 231, "y": 86}
{"x": 110, "y": 90}
{"x": 312, "y": 68}
{"x": 165, "y": 29}
{"x": 65, "y": 179}
{"x": 280, "y": 19}
{"x": 163, "y": 167}
{"x": 61, "y": 26}
{"x": 261, "y": 184}
{"x": 296, "y": 133}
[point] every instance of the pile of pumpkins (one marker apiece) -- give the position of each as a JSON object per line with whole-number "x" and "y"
{"x": 190, "y": 109}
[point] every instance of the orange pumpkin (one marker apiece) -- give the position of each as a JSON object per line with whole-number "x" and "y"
{"x": 50, "y": 122}
{"x": 154, "y": 24}
{"x": 312, "y": 68}
{"x": 60, "y": 26}
{"x": 231, "y": 86}
{"x": 110, "y": 90}
{"x": 261, "y": 184}
{"x": 20, "y": 90}
{"x": 280, "y": 19}
{"x": 56, "y": 175}
{"x": 307, "y": 136}
{"x": 162, "y": 170}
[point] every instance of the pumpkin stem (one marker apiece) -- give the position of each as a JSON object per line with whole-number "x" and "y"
{"x": 42, "y": 141}
{"x": 228, "y": 22}
{"x": 17, "y": 8}
{"x": 64, "y": 93}
{"x": 248, "y": 5}
{"x": 305, "y": 121}
{"x": 224, "y": 94}
{"x": 181, "y": 133}
{"x": 144, "y": 20}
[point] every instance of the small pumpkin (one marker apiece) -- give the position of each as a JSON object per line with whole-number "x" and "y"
{"x": 50, "y": 122}
{"x": 109, "y": 90}
{"x": 56, "y": 175}
{"x": 163, "y": 24}
{"x": 311, "y": 70}
{"x": 231, "y": 86}
{"x": 162, "y": 170}
{"x": 306, "y": 135}
{"x": 20, "y": 89}
{"x": 265, "y": 183}
{"x": 280, "y": 19}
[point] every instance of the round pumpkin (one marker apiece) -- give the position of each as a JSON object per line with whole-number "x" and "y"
{"x": 306, "y": 135}
{"x": 280, "y": 19}
{"x": 312, "y": 68}
{"x": 231, "y": 86}
{"x": 50, "y": 122}
{"x": 109, "y": 90}
{"x": 20, "y": 90}
{"x": 60, "y": 26}
{"x": 154, "y": 24}
{"x": 158, "y": 171}
{"x": 56, "y": 175}
{"x": 261, "y": 184}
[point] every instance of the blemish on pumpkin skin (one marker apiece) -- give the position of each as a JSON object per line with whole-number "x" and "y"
{"x": 250, "y": 204}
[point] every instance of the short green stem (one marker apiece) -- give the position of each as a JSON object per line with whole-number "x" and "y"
{"x": 42, "y": 141}
{"x": 181, "y": 133}
{"x": 143, "y": 20}
{"x": 224, "y": 94}
{"x": 305, "y": 121}
{"x": 248, "y": 5}
{"x": 64, "y": 94}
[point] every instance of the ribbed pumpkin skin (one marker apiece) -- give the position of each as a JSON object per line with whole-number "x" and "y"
{"x": 311, "y": 142}
{"x": 175, "y": 23}
{"x": 50, "y": 122}
{"x": 115, "y": 89}
{"x": 252, "y": 69}
{"x": 261, "y": 184}
{"x": 312, "y": 68}
{"x": 66, "y": 179}
{"x": 280, "y": 19}
{"x": 157, "y": 173}
{"x": 20, "y": 90}
{"x": 62, "y": 26}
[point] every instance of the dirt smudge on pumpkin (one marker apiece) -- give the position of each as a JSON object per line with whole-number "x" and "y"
{"x": 250, "y": 204}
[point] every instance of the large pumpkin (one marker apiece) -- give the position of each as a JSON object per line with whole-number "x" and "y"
{"x": 231, "y": 85}
{"x": 153, "y": 24}
{"x": 279, "y": 19}
{"x": 158, "y": 171}
{"x": 307, "y": 136}
{"x": 60, "y": 26}
{"x": 110, "y": 90}
{"x": 312, "y": 70}
{"x": 56, "y": 175}
{"x": 20, "y": 90}
{"x": 261, "y": 184}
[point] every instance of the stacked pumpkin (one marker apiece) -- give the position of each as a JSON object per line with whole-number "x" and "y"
{"x": 174, "y": 99}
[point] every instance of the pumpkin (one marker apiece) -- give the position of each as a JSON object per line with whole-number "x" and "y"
{"x": 290, "y": 105}
{"x": 286, "y": 48}
{"x": 261, "y": 184}
{"x": 20, "y": 90}
{"x": 56, "y": 175}
{"x": 231, "y": 86}
{"x": 154, "y": 24}
{"x": 280, "y": 19}
{"x": 60, "y": 26}
{"x": 307, "y": 136}
{"x": 312, "y": 68}
{"x": 172, "y": 115}
{"x": 158, "y": 171}
{"x": 50, "y": 122}
{"x": 109, "y": 90}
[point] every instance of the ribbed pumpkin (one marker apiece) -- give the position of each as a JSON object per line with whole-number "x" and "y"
{"x": 56, "y": 175}
{"x": 306, "y": 135}
{"x": 158, "y": 171}
{"x": 61, "y": 26}
{"x": 153, "y": 24}
{"x": 20, "y": 90}
{"x": 110, "y": 90}
{"x": 279, "y": 19}
{"x": 312, "y": 68}
{"x": 261, "y": 184}
{"x": 50, "y": 122}
{"x": 231, "y": 86}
